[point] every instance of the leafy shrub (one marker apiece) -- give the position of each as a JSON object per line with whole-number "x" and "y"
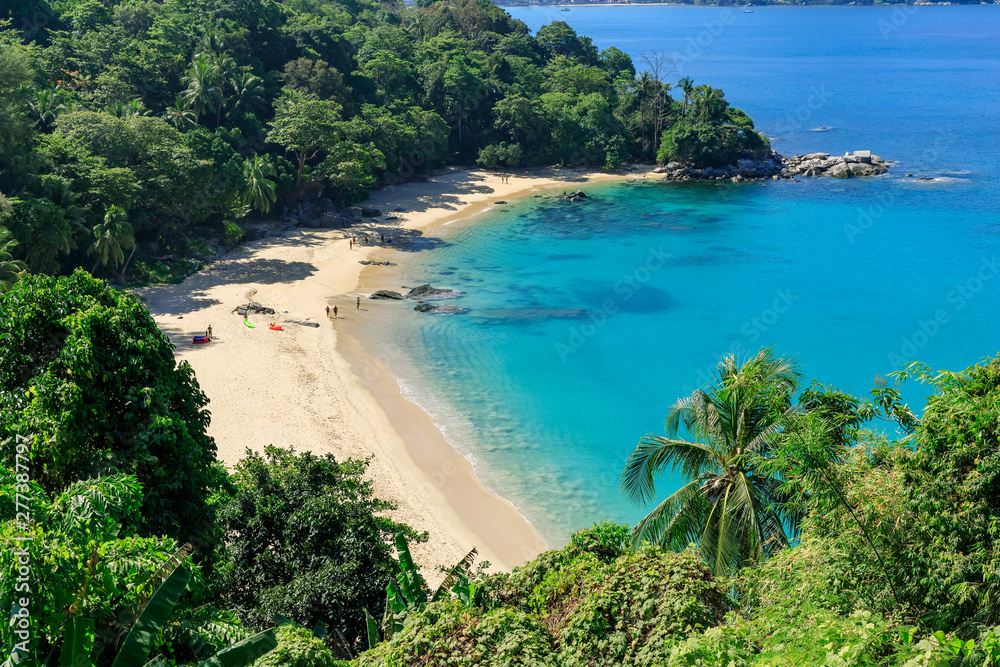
{"x": 568, "y": 608}
{"x": 306, "y": 539}
{"x": 297, "y": 647}
{"x": 629, "y": 611}
{"x": 449, "y": 633}
{"x": 716, "y": 646}
{"x": 607, "y": 540}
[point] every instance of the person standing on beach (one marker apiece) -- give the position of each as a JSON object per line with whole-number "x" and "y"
{"x": 328, "y": 312}
{"x": 209, "y": 335}
{"x": 359, "y": 303}
{"x": 383, "y": 238}
{"x": 350, "y": 243}
{"x": 334, "y": 312}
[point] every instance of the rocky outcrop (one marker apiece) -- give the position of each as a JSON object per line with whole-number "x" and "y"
{"x": 428, "y": 292}
{"x": 370, "y": 212}
{"x": 579, "y": 195}
{"x": 386, "y": 294}
{"x": 438, "y": 308}
{"x": 253, "y": 308}
{"x": 776, "y": 166}
{"x": 372, "y": 262}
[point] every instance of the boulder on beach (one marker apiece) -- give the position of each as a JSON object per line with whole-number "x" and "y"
{"x": 370, "y": 212}
{"x": 386, "y": 294}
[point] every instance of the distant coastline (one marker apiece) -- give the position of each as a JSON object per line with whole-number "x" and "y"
{"x": 758, "y": 3}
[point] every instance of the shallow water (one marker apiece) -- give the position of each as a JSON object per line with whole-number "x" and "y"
{"x": 588, "y": 320}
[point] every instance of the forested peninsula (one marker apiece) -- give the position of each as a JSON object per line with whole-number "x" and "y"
{"x": 129, "y": 130}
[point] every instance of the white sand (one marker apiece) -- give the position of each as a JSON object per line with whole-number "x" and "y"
{"x": 297, "y": 388}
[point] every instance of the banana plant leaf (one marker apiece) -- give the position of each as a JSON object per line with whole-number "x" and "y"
{"x": 139, "y": 641}
{"x": 243, "y": 653}
{"x": 78, "y": 642}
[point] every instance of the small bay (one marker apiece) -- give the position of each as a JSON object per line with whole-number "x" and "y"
{"x": 587, "y": 320}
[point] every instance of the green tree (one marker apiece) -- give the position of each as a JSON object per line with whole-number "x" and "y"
{"x": 112, "y": 237}
{"x": 204, "y": 86}
{"x": 259, "y": 188}
{"x": 306, "y": 128}
{"x": 730, "y": 505}
{"x": 306, "y": 538}
{"x": 180, "y": 114}
{"x": 91, "y": 383}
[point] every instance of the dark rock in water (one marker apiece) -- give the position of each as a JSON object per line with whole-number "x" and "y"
{"x": 370, "y": 212}
{"x": 386, "y": 294}
{"x": 535, "y": 313}
{"x": 424, "y": 291}
{"x": 374, "y": 263}
{"x": 436, "y": 308}
{"x": 399, "y": 209}
{"x": 500, "y": 202}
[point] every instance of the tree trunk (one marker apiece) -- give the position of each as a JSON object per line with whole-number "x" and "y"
{"x": 121, "y": 276}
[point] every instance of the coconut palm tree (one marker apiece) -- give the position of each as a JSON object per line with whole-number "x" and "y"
{"x": 61, "y": 194}
{"x": 44, "y": 109}
{"x": 260, "y": 189}
{"x": 204, "y": 89}
{"x": 111, "y": 238}
{"x": 10, "y": 268}
{"x": 687, "y": 85}
{"x": 246, "y": 93}
{"x": 731, "y": 503}
{"x": 180, "y": 115}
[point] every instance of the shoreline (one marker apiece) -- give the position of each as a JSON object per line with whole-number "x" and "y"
{"x": 306, "y": 387}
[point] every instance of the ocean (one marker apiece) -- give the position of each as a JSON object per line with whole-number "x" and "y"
{"x": 588, "y": 320}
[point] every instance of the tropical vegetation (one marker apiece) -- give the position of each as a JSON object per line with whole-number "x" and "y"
{"x": 133, "y": 131}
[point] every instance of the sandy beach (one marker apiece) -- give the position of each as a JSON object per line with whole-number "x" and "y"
{"x": 316, "y": 388}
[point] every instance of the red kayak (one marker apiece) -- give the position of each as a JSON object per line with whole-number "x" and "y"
{"x": 200, "y": 339}
{"x": 275, "y": 328}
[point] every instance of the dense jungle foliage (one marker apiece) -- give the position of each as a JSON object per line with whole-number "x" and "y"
{"x": 126, "y": 541}
{"x": 130, "y": 129}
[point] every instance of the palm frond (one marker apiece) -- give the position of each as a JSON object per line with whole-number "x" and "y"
{"x": 652, "y": 456}
{"x": 675, "y": 521}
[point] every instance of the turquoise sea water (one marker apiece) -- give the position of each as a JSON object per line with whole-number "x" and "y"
{"x": 588, "y": 320}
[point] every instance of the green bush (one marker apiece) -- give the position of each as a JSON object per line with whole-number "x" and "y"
{"x": 306, "y": 539}
{"x": 449, "y": 633}
{"x": 88, "y": 378}
{"x": 298, "y": 647}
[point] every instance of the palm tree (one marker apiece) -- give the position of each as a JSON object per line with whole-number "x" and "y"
{"x": 62, "y": 195}
{"x": 111, "y": 238}
{"x": 180, "y": 115}
{"x": 10, "y": 268}
{"x": 44, "y": 109}
{"x": 246, "y": 95}
{"x": 731, "y": 505}
{"x": 204, "y": 92}
{"x": 260, "y": 189}
{"x": 687, "y": 85}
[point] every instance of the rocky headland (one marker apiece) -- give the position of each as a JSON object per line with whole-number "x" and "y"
{"x": 776, "y": 167}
